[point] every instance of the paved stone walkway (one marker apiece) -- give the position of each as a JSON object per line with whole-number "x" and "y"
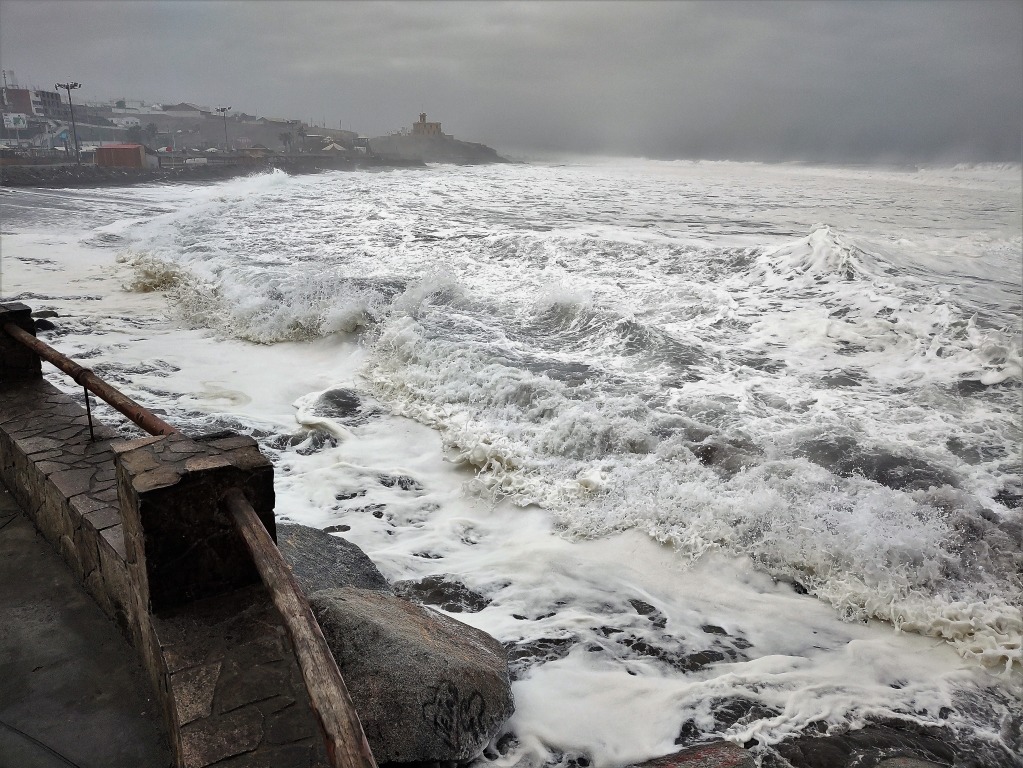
{"x": 72, "y": 691}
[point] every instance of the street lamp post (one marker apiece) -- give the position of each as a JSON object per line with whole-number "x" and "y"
{"x": 74, "y": 129}
{"x": 223, "y": 111}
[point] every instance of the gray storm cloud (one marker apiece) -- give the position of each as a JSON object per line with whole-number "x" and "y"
{"x": 825, "y": 81}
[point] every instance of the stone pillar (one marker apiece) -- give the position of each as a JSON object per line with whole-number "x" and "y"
{"x": 17, "y": 362}
{"x": 180, "y": 545}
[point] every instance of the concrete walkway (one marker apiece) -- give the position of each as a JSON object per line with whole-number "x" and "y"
{"x": 72, "y": 691}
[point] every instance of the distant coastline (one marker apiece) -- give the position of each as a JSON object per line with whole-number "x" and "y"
{"x": 65, "y": 175}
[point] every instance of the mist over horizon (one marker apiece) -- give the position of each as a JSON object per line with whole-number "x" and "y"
{"x": 836, "y": 82}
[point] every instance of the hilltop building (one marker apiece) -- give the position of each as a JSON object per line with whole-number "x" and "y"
{"x": 423, "y": 128}
{"x": 428, "y": 144}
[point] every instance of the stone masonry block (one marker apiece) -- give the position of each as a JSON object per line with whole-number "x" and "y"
{"x": 116, "y": 580}
{"x": 193, "y": 690}
{"x": 208, "y": 740}
{"x": 86, "y": 545}
{"x": 177, "y": 533}
{"x": 68, "y": 551}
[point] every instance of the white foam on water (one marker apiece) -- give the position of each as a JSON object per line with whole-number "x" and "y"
{"x": 637, "y": 402}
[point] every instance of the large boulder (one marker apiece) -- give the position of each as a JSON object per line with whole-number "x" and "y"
{"x": 427, "y": 687}
{"x": 321, "y": 561}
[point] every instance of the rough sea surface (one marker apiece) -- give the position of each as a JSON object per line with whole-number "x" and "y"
{"x": 716, "y": 449}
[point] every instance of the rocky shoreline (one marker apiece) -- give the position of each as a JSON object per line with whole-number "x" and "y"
{"x": 881, "y": 743}
{"x": 350, "y": 598}
{"x": 65, "y": 176}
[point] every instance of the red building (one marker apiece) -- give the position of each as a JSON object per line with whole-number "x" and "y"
{"x": 121, "y": 156}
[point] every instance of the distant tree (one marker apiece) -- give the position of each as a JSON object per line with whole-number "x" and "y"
{"x": 134, "y": 134}
{"x": 151, "y": 130}
{"x": 301, "y": 135}
{"x": 285, "y": 139}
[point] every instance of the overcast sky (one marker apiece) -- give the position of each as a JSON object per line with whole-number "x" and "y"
{"x": 843, "y": 81}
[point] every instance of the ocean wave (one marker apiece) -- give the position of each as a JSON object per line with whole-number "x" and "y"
{"x": 633, "y": 377}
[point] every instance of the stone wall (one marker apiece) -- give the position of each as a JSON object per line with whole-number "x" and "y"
{"x": 138, "y": 523}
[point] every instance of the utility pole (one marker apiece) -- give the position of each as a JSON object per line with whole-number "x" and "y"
{"x": 17, "y": 132}
{"x": 223, "y": 111}
{"x": 74, "y": 129}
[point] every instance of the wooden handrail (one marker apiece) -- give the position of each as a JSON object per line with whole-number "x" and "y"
{"x": 150, "y": 422}
{"x": 328, "y": 695}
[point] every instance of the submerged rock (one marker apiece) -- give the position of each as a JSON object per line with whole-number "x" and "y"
{"x": 427, "y": 687}
{"x": 728, "y": 456}
{"x": 867, "y": 745}
{"x": 845, "y": 457}
{"x": 445, "y": 592}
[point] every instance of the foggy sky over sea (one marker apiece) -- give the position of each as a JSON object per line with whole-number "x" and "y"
{"x": 821, "y": 81}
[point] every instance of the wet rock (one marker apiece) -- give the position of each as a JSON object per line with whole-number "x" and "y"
{"x": 404, "y": 482}
{"x": 306, "y": 442}
{"x": 865, "y": 747}
{"x": 444, "y": 592}
{"x": 676, "y": 658}
{"x": 44, "y": 325}
{"x": 725, "y": 455}
{"x": 1010, "y": 498}
{"x": 377, "y": 510}
{"x": 523, "y": 656}
{"x": 720, "y": 754}
{"x": 346, "y": 406}
{"x": 426, "y": 686}
{"x": 338, "y": 403}
{"x": 320, "y": 561}
{"x": 726, "y": 713}
{"x": 968, "y": 387}
{"x": 349, "y": 495}
{"x": 654, "y": 616}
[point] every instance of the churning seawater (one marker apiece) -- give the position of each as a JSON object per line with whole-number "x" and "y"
{"x": 713, "y": 448}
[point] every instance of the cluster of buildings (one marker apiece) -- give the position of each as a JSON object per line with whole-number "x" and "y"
{"x": 38, "y": 121}
{"x": 40, "y": 125}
